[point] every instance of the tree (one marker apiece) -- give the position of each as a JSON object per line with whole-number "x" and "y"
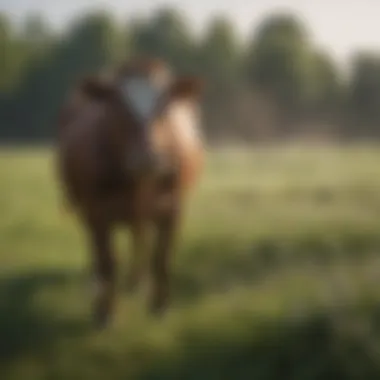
{"x": 279, "y": 64}
{"x": 165, "y": 36}
{"x": 219, "y": 61}
{"x": 328, "y": 90}
{"x": 364, "y": 95}
{"x": 14, "y": 55}
{"x": 36, "y": 31}
{"x": 5, "y": 51}
{"x": 219, "y": 52}
{"x": 85, "y": 48}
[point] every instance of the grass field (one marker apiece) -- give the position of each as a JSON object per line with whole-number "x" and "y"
{"x": 277, "y": 275}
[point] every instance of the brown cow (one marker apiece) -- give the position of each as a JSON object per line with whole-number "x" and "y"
{"x": 129, "y": 150}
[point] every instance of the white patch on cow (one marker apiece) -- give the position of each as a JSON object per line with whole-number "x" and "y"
{"x": 142, "y": 94}
{"x": 184, "y": 118}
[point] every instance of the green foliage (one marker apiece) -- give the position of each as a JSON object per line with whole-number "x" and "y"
{"x": 328, "y": 85}
{"x": 165, "y": 36}
{"x": 281, "y": 63}
{"x": 277, "y": 83}
{"x": 219, "y": 52}
{"x": 364, "y": 95}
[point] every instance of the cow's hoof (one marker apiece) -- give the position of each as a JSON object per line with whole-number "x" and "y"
{"x": 131, "y": 284}
{"x": 158, "y": 308}
{"x": 101, "y": 323}
{"x": 101, "y": 320}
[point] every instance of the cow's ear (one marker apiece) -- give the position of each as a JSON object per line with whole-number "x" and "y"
{"x": 96, "y": 88}
{"x": 188, "y": 87}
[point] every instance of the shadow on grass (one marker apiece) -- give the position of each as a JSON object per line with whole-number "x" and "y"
{"x": 246, "y": 346}
{"x": 307, "y": 349}
{"x": 23, "y": 327}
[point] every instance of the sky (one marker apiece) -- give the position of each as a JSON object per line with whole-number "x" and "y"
{"x": 338, "y": 26}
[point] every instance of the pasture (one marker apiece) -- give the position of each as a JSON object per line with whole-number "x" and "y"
{"x": 277, "y": 275}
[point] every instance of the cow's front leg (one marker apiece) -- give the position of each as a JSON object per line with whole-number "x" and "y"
{"x": 166, "y": 228}
{"x": 138, "y": 262}
{"x": 140, "y": 225}
{"x": 104, "y": 273}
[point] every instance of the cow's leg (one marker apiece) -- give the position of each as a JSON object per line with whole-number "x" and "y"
{"x": 139, "y": 252}
{"x": 167, "y": 226}
{"x": 104, "y": 272}
{"x": 142, "y": 206}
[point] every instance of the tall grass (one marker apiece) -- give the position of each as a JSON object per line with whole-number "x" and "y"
{"x": 276, "y": 275}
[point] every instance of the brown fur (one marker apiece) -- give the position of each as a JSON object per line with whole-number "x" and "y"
{"x": 96, "y": 132}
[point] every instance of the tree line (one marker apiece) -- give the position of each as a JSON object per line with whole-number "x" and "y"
{"x": 275, "y": 85}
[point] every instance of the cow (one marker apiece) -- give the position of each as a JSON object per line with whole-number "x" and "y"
{"x": 129, "y": 151}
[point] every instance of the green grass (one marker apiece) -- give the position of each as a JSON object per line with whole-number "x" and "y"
{"x": 276, "y": 276}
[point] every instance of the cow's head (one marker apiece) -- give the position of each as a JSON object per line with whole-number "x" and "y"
{"x": 147, "y": 99}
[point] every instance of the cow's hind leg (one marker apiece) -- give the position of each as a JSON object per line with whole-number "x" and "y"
{"x": 160, "y": 264}
{"x": 137, "y": 266}
{"x": 104, "y": 271}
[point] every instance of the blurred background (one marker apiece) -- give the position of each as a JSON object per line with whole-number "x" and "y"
{"x": 277, "y": 271}
{"x": 275, "y": 69}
